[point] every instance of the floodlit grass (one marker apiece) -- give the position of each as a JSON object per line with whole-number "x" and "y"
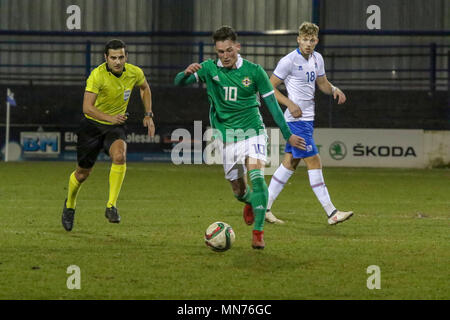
{"x": 401, "y": 224}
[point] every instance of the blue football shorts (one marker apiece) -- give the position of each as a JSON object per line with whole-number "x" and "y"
{"x": 304, "y": 129}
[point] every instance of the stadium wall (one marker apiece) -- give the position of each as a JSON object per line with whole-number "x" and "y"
{"x": 61, "y": 105}
{"x": 360, "y": 61}
{"x": 395, "y": 14}
{"x": 391, "y": 148}
{"x": 437, "y": 148}
{"x": 206, "y": 15}
{"x": 400, "y": 57}
{"x": 52, "y": 114}
{"x": 131, "y": 16}
{"x": 370, "y": 148}
{"x": 155, "y": 15}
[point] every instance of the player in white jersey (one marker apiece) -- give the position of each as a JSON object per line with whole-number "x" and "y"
{"x": 300, "y": 70}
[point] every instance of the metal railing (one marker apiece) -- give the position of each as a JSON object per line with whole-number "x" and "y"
{"x": 412, "y": 66}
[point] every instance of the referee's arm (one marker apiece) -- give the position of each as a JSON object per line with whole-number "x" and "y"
{"x": 90, "y": 110}
{"x": 146, "y": 97}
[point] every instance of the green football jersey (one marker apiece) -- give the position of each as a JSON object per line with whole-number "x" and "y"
{"x": 233, "y": 97}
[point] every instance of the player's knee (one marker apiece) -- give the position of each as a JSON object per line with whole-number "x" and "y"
{"x": 294, "y": 164}
{"x": 239, "y": 188}
{"x": 238, "y": 191}
{"x": 82, "y": 175}
{"x": 238, "y": 194}
{"x": 290, "y": 164}
{"x": 118, "y": 157}
{"x": 314, "y": 162}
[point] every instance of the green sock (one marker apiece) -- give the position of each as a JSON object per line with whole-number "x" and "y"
{"x": 246, "y": 197}
{"x": 259, "y": 197}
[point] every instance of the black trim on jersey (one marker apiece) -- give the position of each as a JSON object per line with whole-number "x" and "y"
{"x": 116, "y": 75}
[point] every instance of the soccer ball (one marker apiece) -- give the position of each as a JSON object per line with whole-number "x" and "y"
{"x": 219, "y": 236}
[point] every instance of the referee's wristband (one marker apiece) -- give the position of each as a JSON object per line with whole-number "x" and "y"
{"x": 148, "y": 114}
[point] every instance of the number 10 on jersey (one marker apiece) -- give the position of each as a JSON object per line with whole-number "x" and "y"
{"x": 230, "y": 93}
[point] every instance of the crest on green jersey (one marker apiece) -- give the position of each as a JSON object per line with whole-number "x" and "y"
{"x": 246, "y": 82}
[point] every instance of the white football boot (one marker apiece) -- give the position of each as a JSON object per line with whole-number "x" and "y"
{"x": 272, "y": 219}
{"x": 339, "y": 216}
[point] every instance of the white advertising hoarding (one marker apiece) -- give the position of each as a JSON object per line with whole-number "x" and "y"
{"x": 369, "y": 147}
{"x": 37, "y": 144}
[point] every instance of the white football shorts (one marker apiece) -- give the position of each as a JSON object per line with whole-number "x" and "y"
{"x": 235, "y": 153}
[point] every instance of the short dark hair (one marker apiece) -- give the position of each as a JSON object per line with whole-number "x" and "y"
{"x": 224, "y": 33}
{"x": 115, "y": 44}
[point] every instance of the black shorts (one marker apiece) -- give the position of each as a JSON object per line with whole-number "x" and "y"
{"x": 94, "y": 137}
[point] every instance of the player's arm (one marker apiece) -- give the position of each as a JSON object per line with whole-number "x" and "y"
{"x": 146, "y": 97}
{"x": 326, "y": 87}
{"x": 275, "y": 111}
{"x": 187, "y": 76}
{"x": 268, "y": 94}
{"x": 282, "y": 99}
{"x": 90, "y": 110}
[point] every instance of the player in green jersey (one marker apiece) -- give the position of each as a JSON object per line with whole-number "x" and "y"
{"x": 106, "y": 97}
{"x": 233, "y": 84}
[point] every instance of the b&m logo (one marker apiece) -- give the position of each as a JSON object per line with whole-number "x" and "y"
{"x": 40, "y": 143}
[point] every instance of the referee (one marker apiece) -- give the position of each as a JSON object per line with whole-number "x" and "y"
{"x": 106, "y": 97}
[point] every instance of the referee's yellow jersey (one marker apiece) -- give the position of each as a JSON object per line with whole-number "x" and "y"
{"x": 113, "y": 93}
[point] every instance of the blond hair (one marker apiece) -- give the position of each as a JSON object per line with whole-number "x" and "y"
{"x": 309, "y": 29}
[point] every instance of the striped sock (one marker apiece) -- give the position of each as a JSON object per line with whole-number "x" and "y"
{"x": 259, "y": 198}
{"x": 277, "y": 183}
{"x": 320, "y": 189}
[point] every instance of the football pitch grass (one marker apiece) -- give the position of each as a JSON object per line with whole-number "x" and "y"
{"x": 401, "y": 224}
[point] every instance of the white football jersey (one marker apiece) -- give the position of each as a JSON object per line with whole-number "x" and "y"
{"x": 299, "y": 76}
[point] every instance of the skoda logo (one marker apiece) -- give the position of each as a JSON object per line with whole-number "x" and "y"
{"x": 338, "y": 150}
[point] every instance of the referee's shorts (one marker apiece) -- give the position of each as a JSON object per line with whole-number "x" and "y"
{"x": 94, "y": 137}
{"x": 304, "y": 129}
